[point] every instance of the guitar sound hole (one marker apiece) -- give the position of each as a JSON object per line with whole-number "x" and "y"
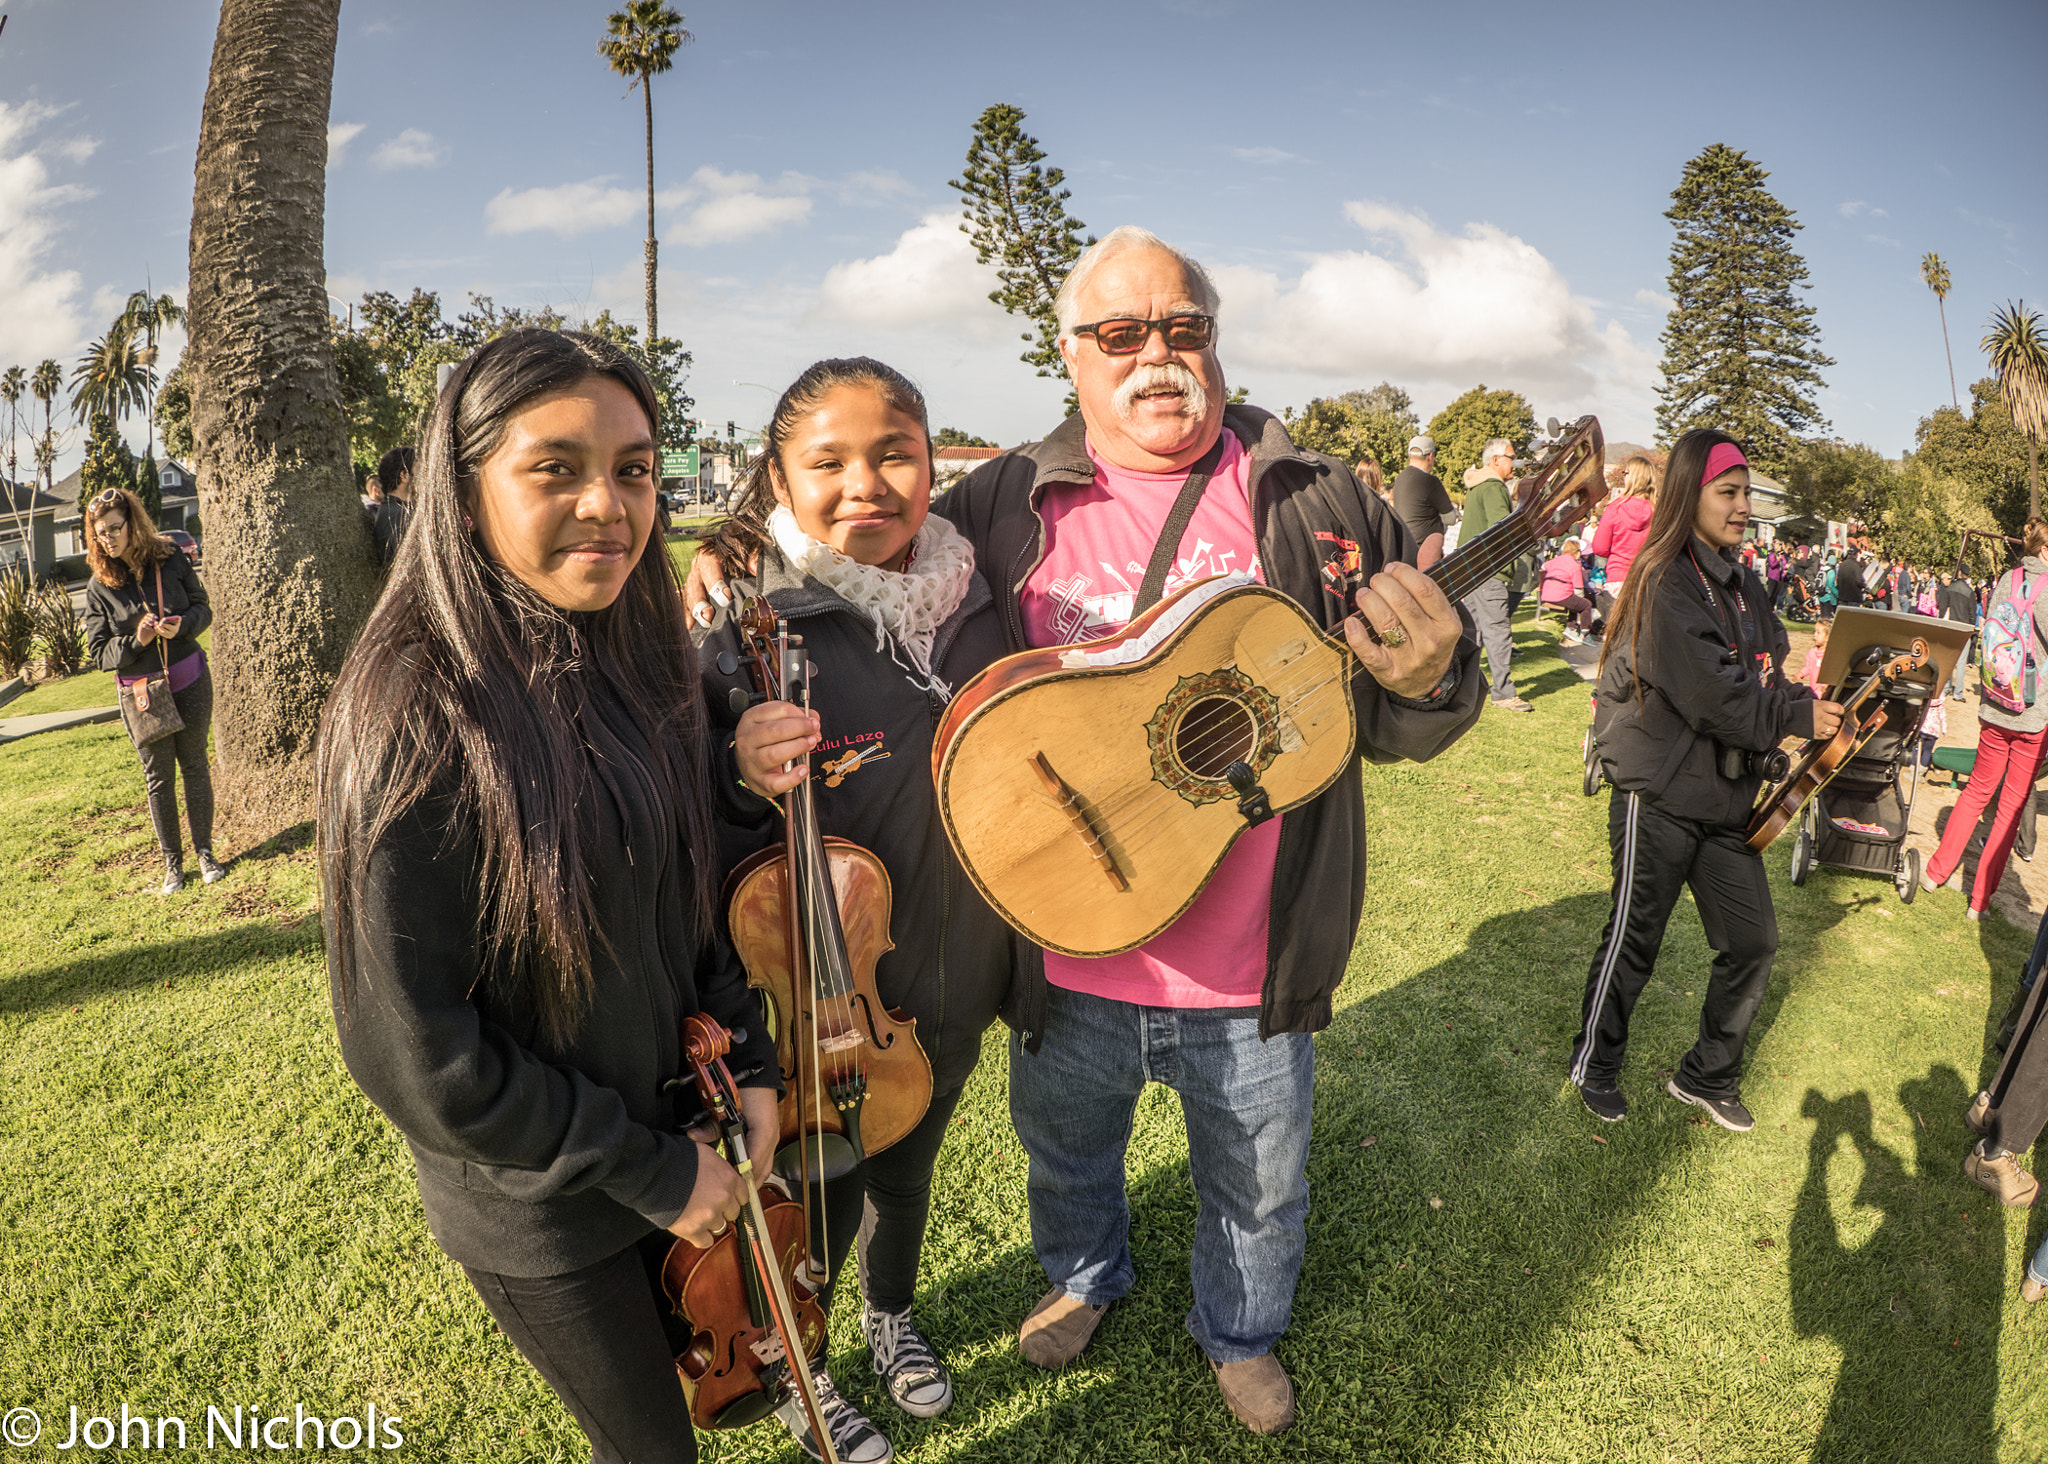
{"x": 1212, "y": 734}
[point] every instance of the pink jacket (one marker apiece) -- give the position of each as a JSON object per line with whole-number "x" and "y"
{"x": 1620, "y": 536}
{"x": 1563, "y": 577}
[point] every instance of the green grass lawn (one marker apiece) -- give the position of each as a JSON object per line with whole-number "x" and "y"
{"x": 201, "y": 1209}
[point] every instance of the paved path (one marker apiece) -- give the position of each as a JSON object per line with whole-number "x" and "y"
{"x": 13, "y": 729}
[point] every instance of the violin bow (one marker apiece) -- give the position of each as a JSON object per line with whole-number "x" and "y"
{"x": 706, "y": 1042}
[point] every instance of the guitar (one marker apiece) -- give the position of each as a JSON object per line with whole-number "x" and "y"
{"x": 1819, "y": 761}
{"x": 1091, "y": 791}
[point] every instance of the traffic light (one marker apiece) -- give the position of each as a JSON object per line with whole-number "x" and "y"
{"x": 732, "y": 433}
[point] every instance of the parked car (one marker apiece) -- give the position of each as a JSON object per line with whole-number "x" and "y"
{"x": 185, "y": 542}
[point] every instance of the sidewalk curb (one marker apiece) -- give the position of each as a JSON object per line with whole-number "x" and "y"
{"x": 13, "y": 729}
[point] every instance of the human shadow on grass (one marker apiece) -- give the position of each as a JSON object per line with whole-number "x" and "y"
{"x": 1410, "y": 1315}
{"x": 1915, "y": 1307}
{"x": 199, "y": 958}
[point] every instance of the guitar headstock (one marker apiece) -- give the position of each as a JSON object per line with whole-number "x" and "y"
{"x": 1569, "y": 483}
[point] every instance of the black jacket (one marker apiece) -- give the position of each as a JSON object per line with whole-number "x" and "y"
{"x": 1713, "y": 661}
{"x": 951, "y": 966}
{"x": 113, "y": 611}
{"x": 1849, "y": 582}
{"x": 536, "y": 1163}
{"x": 1958, "y": 602}
{"x": 387, "y": 525}
{"x": 1319, "y": 535}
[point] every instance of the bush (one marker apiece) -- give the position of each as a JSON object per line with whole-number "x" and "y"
{"x": 17, "y": 618}
{"x": 60, "y": 635}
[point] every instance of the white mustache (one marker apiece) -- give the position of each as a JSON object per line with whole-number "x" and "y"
{"x": 1153, "y": 375}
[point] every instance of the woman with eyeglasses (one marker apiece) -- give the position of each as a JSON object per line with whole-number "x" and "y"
{"x": 144, "y": 611}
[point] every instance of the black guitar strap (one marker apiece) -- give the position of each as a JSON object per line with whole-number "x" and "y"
{"x": 1177, "y": 521}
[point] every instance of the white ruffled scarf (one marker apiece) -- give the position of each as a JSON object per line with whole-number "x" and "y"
{"x": 907, "y": 608}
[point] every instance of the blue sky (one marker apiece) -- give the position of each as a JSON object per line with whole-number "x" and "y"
{"x": 1439, "y": 195}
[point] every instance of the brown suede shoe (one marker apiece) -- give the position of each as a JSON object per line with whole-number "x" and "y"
{"x": 1257, "y": 1391}
{"x": 1978, "y": 1119}
{"x": 2031, "y": 1290}
{"x": 1057, "y": 1329}
{"x": 2003, "y": 1177}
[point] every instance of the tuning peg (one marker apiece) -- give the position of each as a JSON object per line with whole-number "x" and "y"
{"x": 1551, "y": 427}
{"x": 739, "y": 699}
{"x": 728, "y": 664}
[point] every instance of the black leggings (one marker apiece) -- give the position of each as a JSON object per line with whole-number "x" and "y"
{"x": 184, "y": 751}
{"x": 600, "y": 1338}
{"x": 884, "y": 1203}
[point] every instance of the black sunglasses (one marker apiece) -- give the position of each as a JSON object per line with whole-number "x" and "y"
{"x": 1125, "y": 336}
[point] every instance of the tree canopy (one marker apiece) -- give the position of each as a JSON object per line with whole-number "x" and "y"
{"x": 1741, "y": 348}
{"x": 1462, "y": 429}
{"x": 954, "y": 437}
{"x": 1357, "y": 425}
{"x": 1017, "y": 219}
{"x": 1982, "y": 449}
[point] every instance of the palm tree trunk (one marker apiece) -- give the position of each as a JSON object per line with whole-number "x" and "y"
{"x": 2033, "y": 478}
{"x": 1942, "y": 305}
{"x": 288, "y": 559}
{"x": 647, "y": 96}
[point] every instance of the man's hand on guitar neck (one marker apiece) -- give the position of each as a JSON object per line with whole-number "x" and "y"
{"x": 1419, "y": 628}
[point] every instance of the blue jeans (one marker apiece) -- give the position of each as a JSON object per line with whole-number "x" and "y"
{"x": 2037, "y": 1265}
{"x": 1247, "y": 1106}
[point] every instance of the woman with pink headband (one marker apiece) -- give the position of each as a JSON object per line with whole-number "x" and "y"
{"x": 1692, "y": 696}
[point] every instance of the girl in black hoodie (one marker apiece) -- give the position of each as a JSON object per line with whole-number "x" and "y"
{"x": 520, "y": 871}
{"x": 894, "y": 616}
{"x": 1692, "y": 692}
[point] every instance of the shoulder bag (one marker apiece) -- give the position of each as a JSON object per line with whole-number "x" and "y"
{"x": 147, "y": 708}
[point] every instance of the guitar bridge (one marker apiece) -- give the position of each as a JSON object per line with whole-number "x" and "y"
{"x": 1070, "y": 803}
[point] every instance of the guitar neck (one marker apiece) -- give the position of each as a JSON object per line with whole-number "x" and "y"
{"x": 1473, "y": 564}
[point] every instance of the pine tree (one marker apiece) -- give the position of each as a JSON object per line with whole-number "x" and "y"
{"x": 1741, "y": 350}
{"x": 108, "y": 461}
{"x": 1017, "y": 217}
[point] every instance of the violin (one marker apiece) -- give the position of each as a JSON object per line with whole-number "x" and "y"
{"x": 1819, "y": 760}
{"x": 810, "y": 919}
{"x": 743, "y": 1297}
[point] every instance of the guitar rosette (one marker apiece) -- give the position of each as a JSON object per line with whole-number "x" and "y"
{"x": 1206, "y": 723}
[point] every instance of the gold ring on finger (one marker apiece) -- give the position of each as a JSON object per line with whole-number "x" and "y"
{"x": 1393, "y": 638}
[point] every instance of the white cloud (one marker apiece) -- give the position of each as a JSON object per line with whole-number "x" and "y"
{"x": 1881, "y": 239}
{"x": 721, "y": 207}
{"x": 1266, "y": 155}
{"x": 1857, "y": 208}
{"x": 1434, "y": 309}
{"x": 40, "y": 305}
{"x": 339, "y": 136}
{"x": 931, "y": 277}
{"x": 77, "y": 149}
{"x": 412, "y": 148}
{"x": 872, "y": 183}
{"x": 1656, "y": 301}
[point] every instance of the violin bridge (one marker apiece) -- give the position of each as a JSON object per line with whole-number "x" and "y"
{"x": 841, "y": 1041}
{"x": 1070, "y": 803}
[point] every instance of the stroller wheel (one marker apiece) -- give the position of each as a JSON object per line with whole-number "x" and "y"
{"x": 1802, "y": 853}
{"x": 1590, "y": 784}
{"x": 1908, "y": 879}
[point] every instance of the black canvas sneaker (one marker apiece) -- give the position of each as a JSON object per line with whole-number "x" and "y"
{"x": 1606, "y": 1104}
{"x": 1727, "y": 1112}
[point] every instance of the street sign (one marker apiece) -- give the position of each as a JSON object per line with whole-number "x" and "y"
{"x": 679, "y": 464}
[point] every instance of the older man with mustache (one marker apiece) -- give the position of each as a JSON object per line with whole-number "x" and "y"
{"x": 1154, "y": 484}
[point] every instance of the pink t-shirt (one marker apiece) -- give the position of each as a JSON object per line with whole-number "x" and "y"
{"x": 1098, "y": 539}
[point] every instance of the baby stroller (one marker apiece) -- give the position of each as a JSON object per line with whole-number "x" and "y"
{"x": 1859, "y": 820}
{"x": 1801, "y": 603}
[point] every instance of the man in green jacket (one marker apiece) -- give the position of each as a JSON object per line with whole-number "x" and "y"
{"x": 1487, "y": 502}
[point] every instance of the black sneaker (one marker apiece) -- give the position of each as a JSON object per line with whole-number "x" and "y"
{"x": 854, "y": 1439}
{"x": 1606, "y": 1104}
{"x": 1727, "y": 1112}
{"x": 916, "y": 1379}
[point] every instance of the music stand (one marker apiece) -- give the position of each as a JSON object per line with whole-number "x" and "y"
{"x": 1890, "y": 633}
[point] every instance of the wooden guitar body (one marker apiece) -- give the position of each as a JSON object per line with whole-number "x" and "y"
{"x": 1090, "y": 802}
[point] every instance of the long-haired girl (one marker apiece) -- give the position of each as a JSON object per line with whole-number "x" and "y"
{"x": 144, "y": 611}
{"x": 519, "y": 864}
{"x": 895, "y": 616}
{"x": 1692, "y": 691}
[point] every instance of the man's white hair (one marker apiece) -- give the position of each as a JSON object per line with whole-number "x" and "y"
{"x": 1201, "y": 289}
{"x": 1498, "y": 447}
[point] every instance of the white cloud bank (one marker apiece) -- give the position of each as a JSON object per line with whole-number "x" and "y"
{"x": 39, "y": 306}
{"x": 719, "y": 208}
{"x": 412, "y": 148}
{"x": 339, "y": 136}
{"x": 930, "y": 278}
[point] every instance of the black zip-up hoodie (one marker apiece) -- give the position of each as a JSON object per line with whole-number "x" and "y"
{"x": 1713, "y": 672}
{"x": 534, "y": 1162}
{"x": 951, "y": 966}
{"x": 112, "y": 612}
{"x": 1310, "y": 517}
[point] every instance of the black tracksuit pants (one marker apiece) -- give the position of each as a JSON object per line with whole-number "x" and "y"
{"x": 1655, "y": 855}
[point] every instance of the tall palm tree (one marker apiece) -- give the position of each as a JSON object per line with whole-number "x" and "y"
{"x": 44, "y": 386}
{"x": 13, "y": 387}
{"x": 288, "y": 562}
{"x": 1935, "y": 273}
{"x": 2018, "y": 350}
{"x": 111, "y": 377}
{"x": 641, "y": 44}
{"x": 151, "y": 314}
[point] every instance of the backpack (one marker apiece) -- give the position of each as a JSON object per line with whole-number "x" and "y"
{"x": 2007, "y": 670}
{"x": 1925, "y": 603}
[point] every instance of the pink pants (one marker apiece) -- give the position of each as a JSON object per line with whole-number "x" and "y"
{"x": 2006, "y": 763}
